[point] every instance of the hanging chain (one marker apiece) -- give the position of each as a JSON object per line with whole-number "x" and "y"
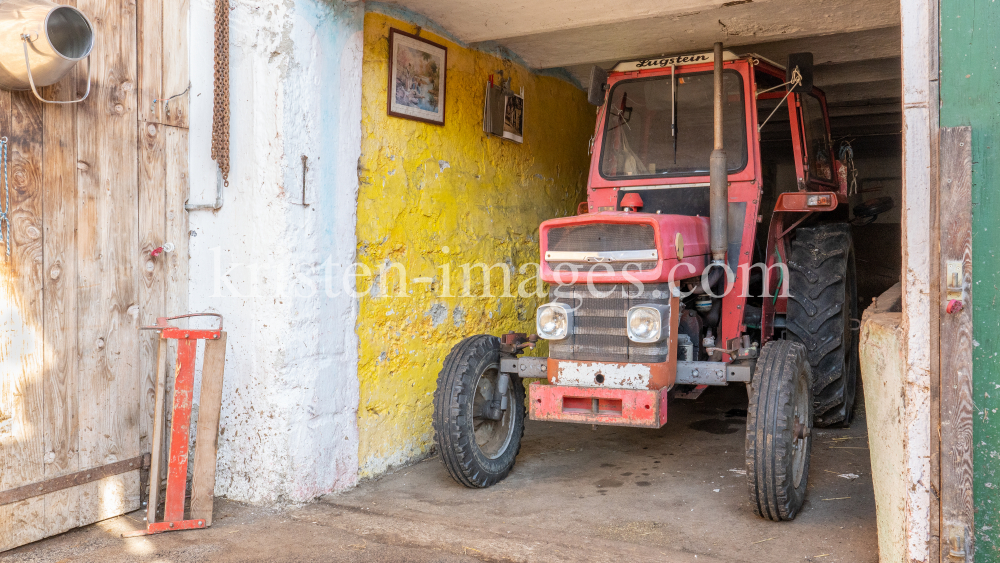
{"x": 220, "y": 111}
{"x": 5, "y": 212}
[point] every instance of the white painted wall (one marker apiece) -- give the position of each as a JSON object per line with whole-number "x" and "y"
{"x": 289, "y": 414}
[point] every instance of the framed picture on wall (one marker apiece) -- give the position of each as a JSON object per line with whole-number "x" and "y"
{"x": 513, "y": 117}
{"x": 417, "y": 69}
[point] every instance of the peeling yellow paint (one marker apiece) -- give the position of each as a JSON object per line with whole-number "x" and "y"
{"x": 431, "y": 195}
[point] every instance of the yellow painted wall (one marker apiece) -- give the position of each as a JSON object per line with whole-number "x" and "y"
{"x": 431, "y": 195}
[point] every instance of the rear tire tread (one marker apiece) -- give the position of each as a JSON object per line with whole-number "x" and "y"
{"x": 821, "y": 285}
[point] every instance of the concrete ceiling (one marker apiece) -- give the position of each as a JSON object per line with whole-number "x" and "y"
{"x": 855, "y": 43}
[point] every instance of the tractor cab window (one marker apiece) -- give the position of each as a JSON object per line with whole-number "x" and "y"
{"x": 820, "y": 161}
{"x": 654, "y": 128}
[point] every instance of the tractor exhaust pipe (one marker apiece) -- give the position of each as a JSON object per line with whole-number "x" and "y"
{"x": 718, "y": 174}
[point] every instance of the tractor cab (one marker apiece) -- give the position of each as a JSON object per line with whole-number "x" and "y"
{"x": 713, "y": 249}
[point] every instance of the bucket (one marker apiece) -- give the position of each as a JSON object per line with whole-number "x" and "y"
{"x": 40, "y": 41}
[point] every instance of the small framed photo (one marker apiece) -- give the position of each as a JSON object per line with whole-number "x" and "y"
{"x": 417, "y": 71}
{"x": 513, "y": 118}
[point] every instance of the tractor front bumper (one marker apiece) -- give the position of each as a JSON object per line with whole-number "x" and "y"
{"x": 642, "y": 408}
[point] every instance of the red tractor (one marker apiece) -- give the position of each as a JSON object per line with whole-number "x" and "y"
{"x": 664, "y": 284}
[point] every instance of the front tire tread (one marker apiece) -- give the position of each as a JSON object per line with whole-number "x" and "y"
{"x": 453, "y": 422}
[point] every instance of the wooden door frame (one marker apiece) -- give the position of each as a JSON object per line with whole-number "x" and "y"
{"x": 936, "y": 229}
{"x": 938, "y": 361}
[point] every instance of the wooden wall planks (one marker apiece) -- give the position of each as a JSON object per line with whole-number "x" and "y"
{"x": 94, "y": 187}
{"x": 163, "y": 62}
{"x": 26, "y": 173}
{"x": 60, "y": 320}
{"x": 152, "y": 229}
{"x": 176, "y": 78}
{"x": 21, "y": 406}
{"x": 149, "y": 44}
{"x": 108, "y": 260}
{"x": 177, "y": 227}
{"x": 26, "y": 260}
{"x": 957, "y": 511}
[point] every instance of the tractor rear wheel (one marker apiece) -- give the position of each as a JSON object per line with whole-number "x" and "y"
{"x": 779, "y": 428}
{"x": 477, "y": 442}
{"x": 822, "y": 307}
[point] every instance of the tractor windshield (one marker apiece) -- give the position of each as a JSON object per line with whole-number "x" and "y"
{"x": 655, "y": 129}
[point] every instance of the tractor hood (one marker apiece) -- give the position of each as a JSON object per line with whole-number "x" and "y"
{"x": 623, "y": 247}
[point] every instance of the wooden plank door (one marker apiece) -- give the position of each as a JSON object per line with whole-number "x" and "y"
{"x": 957, "y": 514}
{"x": 22, "y": 408}
{"x": 94, "y": 187}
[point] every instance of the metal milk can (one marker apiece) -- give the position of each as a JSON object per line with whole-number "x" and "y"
{"x": 40, "y": 41}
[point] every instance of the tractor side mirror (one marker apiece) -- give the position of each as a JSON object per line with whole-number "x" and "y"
{"x": 598, "y": 84}
{"x": 804, "y": 62}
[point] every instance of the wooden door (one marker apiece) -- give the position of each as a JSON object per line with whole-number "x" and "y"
{"x": 94, "y": 187}
{"x": 954, "y": 399}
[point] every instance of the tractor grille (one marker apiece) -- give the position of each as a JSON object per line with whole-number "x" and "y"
{"x": 601, "y": 237}
{"x": 599, "y": 332}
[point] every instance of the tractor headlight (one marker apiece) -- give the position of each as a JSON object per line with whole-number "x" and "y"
{"x": 645, "y": 323}
{"x": 554, "y": 321}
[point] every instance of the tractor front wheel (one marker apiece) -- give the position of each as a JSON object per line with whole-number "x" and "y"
{"x": 779, "y": 428}
{"x": 476, "y": 439}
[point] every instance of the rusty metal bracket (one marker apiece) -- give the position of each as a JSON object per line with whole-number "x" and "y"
{"x": 714, "y": 373}
{"x": 161, "y": 322}
{"x": 701, "y": 373}
{"x": 513, "y": 343}
{"x": 795, "y": 224}
{"x": 525, "y": 367}
{"x": 73, "y": 479}
{"x": 167, "y": 331}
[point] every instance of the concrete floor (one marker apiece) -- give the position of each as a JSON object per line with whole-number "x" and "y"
{"x": 576, "y": 494}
